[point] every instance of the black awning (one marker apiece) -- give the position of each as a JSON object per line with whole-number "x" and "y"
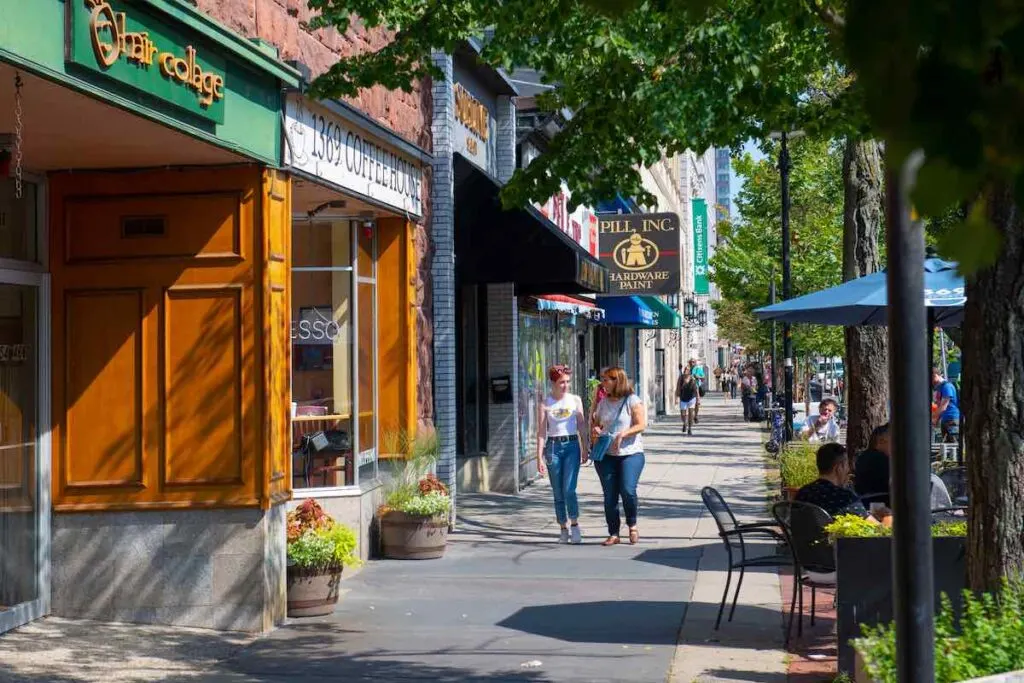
{"x": 518, "y": 245}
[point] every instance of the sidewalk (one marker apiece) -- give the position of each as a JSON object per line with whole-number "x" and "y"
{"x": 506, "y": 603}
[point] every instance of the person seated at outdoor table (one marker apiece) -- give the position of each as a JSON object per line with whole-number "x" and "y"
{"x": 823, "y": 426}
{"x": 829, "y": 491}
{"x": 871, "y": 472}
{"x": 940, "y": 499}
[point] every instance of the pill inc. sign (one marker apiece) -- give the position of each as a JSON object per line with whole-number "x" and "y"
{"x": 146, "y": 53}
{"x": 641, "y": 251}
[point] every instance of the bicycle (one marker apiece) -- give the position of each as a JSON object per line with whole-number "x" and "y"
{"x": 777, "y": 429}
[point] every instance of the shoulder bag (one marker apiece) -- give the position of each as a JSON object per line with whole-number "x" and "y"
{"x": 600, "y": 447}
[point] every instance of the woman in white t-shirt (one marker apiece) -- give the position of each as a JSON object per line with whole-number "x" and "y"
{"x": 621, "y": 413}
{"x": 562, "y": 449}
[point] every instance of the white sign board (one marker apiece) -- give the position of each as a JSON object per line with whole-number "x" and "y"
{"x": 326, "y": 146}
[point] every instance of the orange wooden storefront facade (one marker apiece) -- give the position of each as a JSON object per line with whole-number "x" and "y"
{"x": 170, "y": 297}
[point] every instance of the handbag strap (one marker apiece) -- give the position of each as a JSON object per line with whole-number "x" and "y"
{"x": 619, "y": 411}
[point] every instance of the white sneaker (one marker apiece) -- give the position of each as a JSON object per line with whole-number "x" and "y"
{"x": 563, "y": 536}
{"x": 576, "y": 534}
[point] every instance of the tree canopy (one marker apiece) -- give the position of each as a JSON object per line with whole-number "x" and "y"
{"x": 744, "y": 265}
{"x": 658, "y": 78}
{"x": 645, "y": 77}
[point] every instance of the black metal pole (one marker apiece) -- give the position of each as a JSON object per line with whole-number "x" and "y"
{"x": 908, "y": 358}
{"x": 787, "y": 334}
{"x": 774, "y": 347}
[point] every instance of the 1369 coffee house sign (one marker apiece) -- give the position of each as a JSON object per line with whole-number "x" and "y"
{"x": 641, "y": 252}
{"x": 324, "y": 145}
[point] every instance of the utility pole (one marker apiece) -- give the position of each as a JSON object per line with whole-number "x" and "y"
{"x": 787, "y": 333}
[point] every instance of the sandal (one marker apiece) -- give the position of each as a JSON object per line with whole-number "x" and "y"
{"x": 611, "y": 540}
{"x": 634, "y": 536}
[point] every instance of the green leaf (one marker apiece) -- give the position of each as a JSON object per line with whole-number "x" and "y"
{"x": 974, "y": 243}
{"x": 941, "y": 185}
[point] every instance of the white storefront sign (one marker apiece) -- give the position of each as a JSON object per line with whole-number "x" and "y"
{"x": 326, "y": 146}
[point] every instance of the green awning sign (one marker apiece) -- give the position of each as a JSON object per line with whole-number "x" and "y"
{"x": 700, "y": 247}
{"x": 146, "y": 53}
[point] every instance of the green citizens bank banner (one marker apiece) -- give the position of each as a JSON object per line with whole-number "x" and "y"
{"x": 146, "y": 52}
{"x": 700, "y": 247}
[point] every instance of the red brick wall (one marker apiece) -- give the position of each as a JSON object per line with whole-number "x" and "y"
{"x": 283, "y": 23}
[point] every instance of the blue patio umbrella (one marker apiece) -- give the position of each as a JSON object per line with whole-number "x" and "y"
{"x": 864, "y": 301}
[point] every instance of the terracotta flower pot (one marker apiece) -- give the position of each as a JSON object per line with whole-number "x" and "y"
{"x": 311, "y": 594}
{"x": 791, "y": 492}
{"x": 406, "y": 537}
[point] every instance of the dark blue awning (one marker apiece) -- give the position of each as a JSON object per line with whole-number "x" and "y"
{"x": 626, "y": 311}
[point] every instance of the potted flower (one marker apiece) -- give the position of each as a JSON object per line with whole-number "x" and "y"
{"x": 414, "y": 517}
{"x": 318, "y": 549}
{"x": 798, "y": 467}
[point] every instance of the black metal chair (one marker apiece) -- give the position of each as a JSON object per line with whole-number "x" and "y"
{"x": 803, "y": 525}
{"x": 732, "y": 534}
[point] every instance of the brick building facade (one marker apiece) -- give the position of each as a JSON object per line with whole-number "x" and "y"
{"x": 284, "y": 24}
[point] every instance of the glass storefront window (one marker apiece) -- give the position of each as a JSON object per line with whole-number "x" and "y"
{"x": 333, "y": 354}
{"x": 543, "y": 341}
{"x": 19, "y": 522}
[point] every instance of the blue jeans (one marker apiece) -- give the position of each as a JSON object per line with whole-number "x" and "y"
{"x": 563, "y": 461}
{"x": 619, "y": 478}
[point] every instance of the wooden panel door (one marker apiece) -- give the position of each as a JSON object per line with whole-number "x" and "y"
{"x": 158, "y": 391}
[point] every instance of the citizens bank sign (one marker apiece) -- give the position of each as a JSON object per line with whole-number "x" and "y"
{"x": 641, "y": 252}
{"x": 326, "y": 146}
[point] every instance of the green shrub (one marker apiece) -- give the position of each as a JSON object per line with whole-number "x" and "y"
{"x": 429, "y": 505}
{"x": 316, "y": 543}
{"x": 854, "y": 526}
{"x": 797, "y": 465}
{"x": 413, "y": 489}
{"x": 324, "y": 549}
{"x": 989, "y": 641}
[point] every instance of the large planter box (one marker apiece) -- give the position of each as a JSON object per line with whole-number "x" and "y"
{"x": 861, "y": 675}
{"x": 405, "y": 537}
{"x": 864, "y": 584}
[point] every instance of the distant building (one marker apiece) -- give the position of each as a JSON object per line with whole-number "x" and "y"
{"x": 723, "y": 195}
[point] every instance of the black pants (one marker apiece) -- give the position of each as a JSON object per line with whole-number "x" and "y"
{"x": 748, "y": 406}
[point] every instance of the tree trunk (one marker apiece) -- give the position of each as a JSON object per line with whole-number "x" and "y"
{"x": 867, "y": 369}
{"x": 993, "y": 402}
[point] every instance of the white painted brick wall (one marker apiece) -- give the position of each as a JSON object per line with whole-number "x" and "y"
{"x": 442, "y": 233}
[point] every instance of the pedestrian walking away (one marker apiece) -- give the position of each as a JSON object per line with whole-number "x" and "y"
{"x": 562, "y": 446}
{"x": 622, "y": 414}
{"x": 747, "y": 388}
{"x": 686, "y": 394}
{"x": 701, "y": 377}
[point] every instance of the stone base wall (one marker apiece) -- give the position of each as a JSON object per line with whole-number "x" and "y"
{"x": 217, "y": 569}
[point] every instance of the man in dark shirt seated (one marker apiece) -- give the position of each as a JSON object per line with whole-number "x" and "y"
{"x": 829, "y": 492}
{"x": 871, "y": 473}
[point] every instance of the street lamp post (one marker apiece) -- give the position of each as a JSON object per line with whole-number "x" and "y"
{"x": 908, "y": 358}
{"x": 787, "y": 334}
{"x": 774, "y": 348}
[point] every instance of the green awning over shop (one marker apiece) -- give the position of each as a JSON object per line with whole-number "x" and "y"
{"x": 664, "y": 317}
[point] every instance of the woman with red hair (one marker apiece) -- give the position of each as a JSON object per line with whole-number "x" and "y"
{"x": 562, "y": 448}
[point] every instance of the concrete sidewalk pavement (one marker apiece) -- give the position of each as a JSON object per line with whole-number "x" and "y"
{"x": 507, "y": 602}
